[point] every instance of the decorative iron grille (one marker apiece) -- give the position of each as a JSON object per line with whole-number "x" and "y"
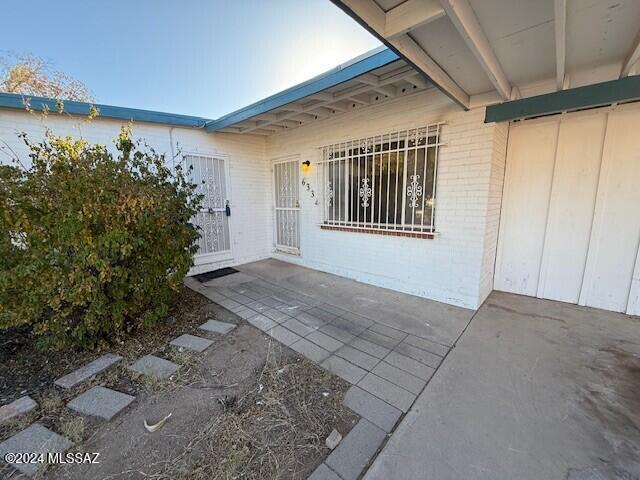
{"x": 385, "y": 182}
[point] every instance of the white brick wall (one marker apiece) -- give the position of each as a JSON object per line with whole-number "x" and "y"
{"x": 457, "y": 266}
{"x": 248, "y": 169}
{"x": 494, "y": 205}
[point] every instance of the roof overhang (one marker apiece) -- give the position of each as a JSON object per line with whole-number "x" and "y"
{"x": 482, "y": 52}
{"x": 41, "y": 104}
{"x": 371, "y": 78}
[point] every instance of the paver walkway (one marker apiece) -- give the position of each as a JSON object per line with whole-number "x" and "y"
{"x": 389, "y": 359}
{"x": 98, "y": 401}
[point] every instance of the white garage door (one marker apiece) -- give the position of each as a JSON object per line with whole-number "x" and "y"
{"x": 570, "y": 224}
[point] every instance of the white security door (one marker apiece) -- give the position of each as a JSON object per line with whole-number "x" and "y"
{"x": 570, "y": 227}
{"x": 209, "y": 174}
{"x": 287, "y": 206}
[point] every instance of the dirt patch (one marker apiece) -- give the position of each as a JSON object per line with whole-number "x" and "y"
{"x": 252, "y": 410}
{"x": 247, "y": 407}
{"x": 26, "y": 370}
{"x": 276, "y": 430}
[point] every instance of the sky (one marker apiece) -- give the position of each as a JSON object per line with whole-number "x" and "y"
{"x": 193, "y": 57}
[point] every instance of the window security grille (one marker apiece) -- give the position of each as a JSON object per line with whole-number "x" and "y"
{"x": 386, "y": 182}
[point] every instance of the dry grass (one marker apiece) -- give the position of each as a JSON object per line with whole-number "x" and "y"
{"x": 275, "y": 431}
{"x": 73, "y": 428}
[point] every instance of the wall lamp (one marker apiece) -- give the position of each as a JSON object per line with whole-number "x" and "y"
{"x": 305, "y": 165}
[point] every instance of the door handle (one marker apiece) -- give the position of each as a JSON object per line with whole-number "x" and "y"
{"x": 227, "y": 209}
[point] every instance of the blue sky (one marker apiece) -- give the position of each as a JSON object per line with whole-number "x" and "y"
{"x": 196, "y": 57}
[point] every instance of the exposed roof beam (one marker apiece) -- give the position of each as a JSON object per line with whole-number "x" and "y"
{"x": 266, "y": 116}
{"x": 359, "y": 100}
{"x": 302, "y": 117}
{"x": 230, "y": 130}
{"x": 348, "y": 94}
{"x": 369, "y": 79}
{"x": 561, "y": 40}
{"x": 373, "y": 18}
{"x": 293, "y": 107}
{"x": 409, "y": 15}
{"x": 289, "y": 123}
{"x": 416, "y": 55}
{"x": 417, "y": 81}
{"x": 324, "y": 96}
{"x": 464, "y": 19}
{"x": 388, "y": 90}
{"x": 338, "y": 106}
{"x": 632, "y": 57}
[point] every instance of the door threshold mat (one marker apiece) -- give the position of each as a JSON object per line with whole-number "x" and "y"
{"x": 222, "y": 272}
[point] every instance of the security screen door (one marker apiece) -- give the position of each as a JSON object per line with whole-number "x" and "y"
{"x": 287, "y": 206}
{"x": 209, "y": 174}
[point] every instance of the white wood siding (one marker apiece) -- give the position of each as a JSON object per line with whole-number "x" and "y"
{"x": 570, "y": 226}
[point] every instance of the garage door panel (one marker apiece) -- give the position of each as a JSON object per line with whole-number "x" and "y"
{"x": 528, "y": 177}
{"x": 616, "y": 227}
{"x": 573, "y": 197}
{"x": 582, "y": 245}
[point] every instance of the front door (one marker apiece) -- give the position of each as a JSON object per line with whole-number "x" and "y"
{"x": 209, "y": 174}
{"x": 287, "y": 207}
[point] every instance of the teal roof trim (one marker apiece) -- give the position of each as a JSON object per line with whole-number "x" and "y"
{"x": 343, "y": 73}
{"x": 599, "y": 94}
{"x": 16, "y": 101}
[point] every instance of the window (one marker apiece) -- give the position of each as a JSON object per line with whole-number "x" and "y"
{"x": 384, "y": 183}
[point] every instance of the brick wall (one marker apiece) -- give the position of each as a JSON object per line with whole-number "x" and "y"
{"x": 248, "y": 170}
{"x": 457, "y": 266}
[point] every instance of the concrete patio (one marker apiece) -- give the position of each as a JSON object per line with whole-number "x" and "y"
{"x": 533, "y": 388}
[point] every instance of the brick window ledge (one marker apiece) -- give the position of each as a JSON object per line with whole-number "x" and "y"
{"x": 375, "y": 231}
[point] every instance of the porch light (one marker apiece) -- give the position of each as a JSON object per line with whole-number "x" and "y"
{"x": 305, "y": 165}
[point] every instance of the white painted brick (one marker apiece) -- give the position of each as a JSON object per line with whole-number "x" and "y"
{"x": 250, "y": 188}
{"x": 449, "y": 268}
{"x": 456, "y": 267}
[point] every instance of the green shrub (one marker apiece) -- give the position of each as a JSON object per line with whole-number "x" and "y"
{"x": 92, "y": 244}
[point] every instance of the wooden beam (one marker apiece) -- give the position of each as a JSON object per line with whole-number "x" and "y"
{"x": 423, "y": 62}
{"x": 464, "y": 19}
{"x": 369, "y": 79}
{"x": 349, "y": 94}
{"x": 560, "y": 8}
{"x": 410, "y": 15}
{"x": 266, "y": 116}
{"x": 289, "y": 123}
{"x": 369, "y": 12}
{"x": 418, "y": 81}
{"x": 324, "y": 96}
{"x": 373, "y": 18}
{"x": 387, "y": 90}
{"x": 632, "y": 57}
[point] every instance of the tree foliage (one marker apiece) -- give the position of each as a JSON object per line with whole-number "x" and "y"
{"x": 93, "y": 244}
{"x": 30, "y": 75}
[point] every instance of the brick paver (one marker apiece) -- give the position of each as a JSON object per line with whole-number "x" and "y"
{"x": 191, "y": 342}
{"x": 356, "y": 449}
{"x": 372, "y": 408}
{"x": 387, "y": 391}
{"x": 100, "y": 402}
{"x": 88, "y": 371}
